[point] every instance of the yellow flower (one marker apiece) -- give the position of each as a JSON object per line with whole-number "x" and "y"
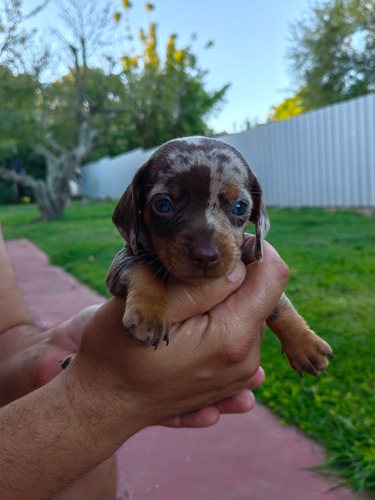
{"x": 134, "y": 61}
{"x": 117, "y": 16}
{"x": 26, "y": 199}
{"x": 149, "y": 7}
{"x": 142, "y": 36}
{"x": 129, "y": 62}
{"x": 126, "y": 4}
{"x": 179, "y": 56}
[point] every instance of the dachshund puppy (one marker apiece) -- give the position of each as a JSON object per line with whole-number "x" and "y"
{"x": 185, "y": 214}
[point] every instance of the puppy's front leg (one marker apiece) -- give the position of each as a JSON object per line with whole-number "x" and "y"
{"x": 146, "y": 309}
{"x": 146, "y": 306}
{"x": 303, "y": 348}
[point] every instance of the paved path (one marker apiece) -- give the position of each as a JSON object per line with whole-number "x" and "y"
{"x": 243, "y": 457}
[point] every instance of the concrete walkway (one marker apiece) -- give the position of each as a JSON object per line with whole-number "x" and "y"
{"x": 243, "y": 457}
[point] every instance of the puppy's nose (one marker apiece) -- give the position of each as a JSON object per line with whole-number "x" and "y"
{"x": 205, "y": 257}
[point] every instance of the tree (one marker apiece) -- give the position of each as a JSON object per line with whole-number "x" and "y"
{"x": 93, "y": 102}
{"x": 15, "y": 39}
{"x": 292, "y": 106}
{"x": 166, "y": 97}
{"x": 18, "y": 100}
{"x": 64, "y": 150}
{"x": 104, "y": 98}
{"x": 333, "y": 52}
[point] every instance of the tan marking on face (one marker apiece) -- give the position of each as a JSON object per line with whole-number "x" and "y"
{"x": 146, "y": 217}
{"x": 232, "y": 193}
{"x": 176, "y": 191}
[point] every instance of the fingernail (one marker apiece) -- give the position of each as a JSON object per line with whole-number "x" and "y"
{"x": 238, "y": 273}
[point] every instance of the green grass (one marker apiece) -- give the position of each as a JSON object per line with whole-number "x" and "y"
{"x": 83, "y": 242}
{"x": 332, "y": 264}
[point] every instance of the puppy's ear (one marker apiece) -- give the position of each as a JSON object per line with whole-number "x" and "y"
{"x": 258, "y": 216}
{"x": 127, "y": 216}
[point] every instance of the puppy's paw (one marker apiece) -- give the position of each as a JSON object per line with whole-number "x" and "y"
{"x": 149, "y": 328}
{"x": 309, "y": 354}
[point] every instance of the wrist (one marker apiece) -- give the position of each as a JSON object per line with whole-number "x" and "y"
{"x": 61, "y": 426}
{"x": 19, "y": 347}
{"x": 107, "y": 412}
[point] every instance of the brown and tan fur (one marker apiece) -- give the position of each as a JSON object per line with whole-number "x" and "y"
{"x": 180, "y": 217}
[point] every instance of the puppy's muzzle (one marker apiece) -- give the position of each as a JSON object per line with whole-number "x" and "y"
{"x": 205, "y": 257}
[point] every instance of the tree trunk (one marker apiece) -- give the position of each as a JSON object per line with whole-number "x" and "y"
{"x": 50, "y": 204}
{"x": 52, "y": 194}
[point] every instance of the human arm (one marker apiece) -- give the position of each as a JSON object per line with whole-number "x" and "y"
{"x": 29, "y": 357}
{"x": 29, "y": 354}
{"x": 14, "y": 311}
{"x": 115, "y": 386}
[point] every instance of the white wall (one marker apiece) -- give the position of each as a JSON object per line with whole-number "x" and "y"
{"x": 321, "y": 158}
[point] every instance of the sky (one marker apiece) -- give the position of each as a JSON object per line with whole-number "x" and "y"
{"x": 250, "y": 45}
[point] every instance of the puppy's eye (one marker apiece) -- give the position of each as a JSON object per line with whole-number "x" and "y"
{"x": 163, "y": 205}
{"x": 239, "y": 208}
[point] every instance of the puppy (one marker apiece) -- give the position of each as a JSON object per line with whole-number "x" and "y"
{"x": 185, "y": 214}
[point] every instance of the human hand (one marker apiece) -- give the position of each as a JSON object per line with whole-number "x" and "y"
{"x": 213, "y": 354}
{"x": 30, "y": 355}
{"x": 210, "y": 415}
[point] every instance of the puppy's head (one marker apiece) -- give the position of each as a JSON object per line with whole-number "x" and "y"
{"x": 190, "y": 204}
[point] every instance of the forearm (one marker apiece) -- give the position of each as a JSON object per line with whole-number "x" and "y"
{"x": 19, "y": 350}
{"x": 18, "y": 333}
{"x": 14, "y": 311}
{"x": 53, "y": 435}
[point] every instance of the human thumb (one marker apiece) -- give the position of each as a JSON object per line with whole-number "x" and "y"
{"x": 186, "y": 300}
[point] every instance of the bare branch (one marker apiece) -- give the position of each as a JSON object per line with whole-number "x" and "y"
{"x": 55, "y": 145}
{"x": 40, "y": 149}
{"x": 23, "y": 179}
{"x": 36, "y": 10}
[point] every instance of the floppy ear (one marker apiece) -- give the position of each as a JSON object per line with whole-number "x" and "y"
{"x": 128, "y": 212}
{"x": 259, "y": 217}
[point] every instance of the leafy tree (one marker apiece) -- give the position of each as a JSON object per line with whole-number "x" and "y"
{"x": 66, "y": 111}
{"x": 333, "y": 51}
{"x": 292, "y": 106}
{"x": 104, "y": 99}
{"x": 150, "y": 101}
{"x": 15, "y": 39}
{"x": 166, "y": 97}
{"x": 18, "y": 100}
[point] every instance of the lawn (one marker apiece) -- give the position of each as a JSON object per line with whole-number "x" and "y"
{"x": 332, "y": 264}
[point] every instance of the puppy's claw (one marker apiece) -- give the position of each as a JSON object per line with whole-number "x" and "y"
{"x": 147, "y": 328}
{"x": 158, "y": 337}
{"x": 166, "y": 337}
{"x": 162, "y": 335}
{"x": 131, "y": 321}
{"x": 309, "y": 353}
{"x": 148, "y": 340}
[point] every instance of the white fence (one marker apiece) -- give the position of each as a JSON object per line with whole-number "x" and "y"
{"x": 321, "y": 158}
